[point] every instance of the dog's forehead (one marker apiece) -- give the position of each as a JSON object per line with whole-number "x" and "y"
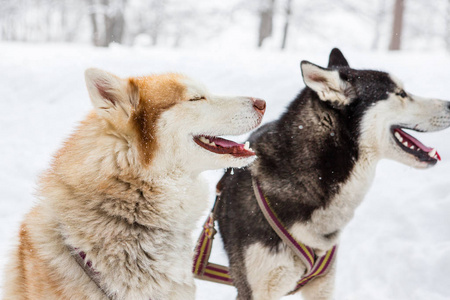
{"x": 373, "y": 82}
{"x": 160, "y": 89}
{"x": 396, "y": 81}
{"x": 193, "y": 87}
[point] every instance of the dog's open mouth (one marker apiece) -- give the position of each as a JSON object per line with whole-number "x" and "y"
{"x": 223, "y": 146}
{"x": 413, "y": 146}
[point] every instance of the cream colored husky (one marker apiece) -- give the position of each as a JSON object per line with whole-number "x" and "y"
{"x": 125, "y": 191}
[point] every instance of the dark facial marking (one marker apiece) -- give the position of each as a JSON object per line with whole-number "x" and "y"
{"x": 402, "y": 94}
{"x": 197, "y": 98}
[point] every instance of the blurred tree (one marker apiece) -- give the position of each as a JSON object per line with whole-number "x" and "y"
{"x": 114, "y": 21}
{"x": 379, "y": 18}
{"x": 288, "y": 12}
{"x": 397, "y": 25}
{"x": 266, "y": 13}
{"x": 447, "y": 27}
{"x": 7, "y": 11}
{"x": 155, "y": 23}
{"x": 299, "y": 24}
{"x": 71, "y": 16}
{"x": 95, "y": 35}
{"x": 107, "y": 21}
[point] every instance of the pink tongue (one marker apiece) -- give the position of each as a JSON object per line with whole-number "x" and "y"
{"x": 414, "y": 141}
{"x": 224, "y": 143}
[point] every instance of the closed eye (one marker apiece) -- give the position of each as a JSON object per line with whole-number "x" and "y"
{"x": 198, "y": 98}
{"x": 402, "y": 94}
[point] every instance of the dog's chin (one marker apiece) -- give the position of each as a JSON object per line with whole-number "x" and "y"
{"x": 415, "y": 163}
{"x": 240, "y": 162}
{"x": 222, "y": 161}
{"x": 410, "y": 159}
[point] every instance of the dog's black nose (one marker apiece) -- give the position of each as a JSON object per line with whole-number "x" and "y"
{"x": 448, "y": 105}
{"x": 259, "y": 105}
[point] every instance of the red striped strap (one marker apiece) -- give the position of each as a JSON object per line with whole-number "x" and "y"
{"x": 204, "y": 270}
{"x": 217, "y": 273}
{"x": 203, "y": 247}
{"x": 305, "y": 253}
{"x": 321, "y": 267}
{"x": 86, "y": 265}
{"x": 315, "y": 266}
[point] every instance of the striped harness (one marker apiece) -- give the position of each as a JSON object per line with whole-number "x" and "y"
{"x": 316, "y": 266}
{"x": 86, "y": 265}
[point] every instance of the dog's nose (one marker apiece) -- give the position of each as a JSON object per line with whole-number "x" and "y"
{"x": 259, "y": 105}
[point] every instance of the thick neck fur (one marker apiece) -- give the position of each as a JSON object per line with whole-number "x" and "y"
{"x": 103, "y": 171}
{"x": 309, "y": 154}
{"x": 107, "y": 205}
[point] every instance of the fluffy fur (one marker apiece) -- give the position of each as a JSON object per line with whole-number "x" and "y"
{"x": 315, "y": 164}
{"x": 126, "y": 189}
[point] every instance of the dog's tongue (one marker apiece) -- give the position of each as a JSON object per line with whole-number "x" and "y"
{"x": 225, "y": 143}
{"x": 416, "y": 142}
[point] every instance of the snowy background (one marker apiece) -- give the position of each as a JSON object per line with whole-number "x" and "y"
{"x": 397, "y": 247}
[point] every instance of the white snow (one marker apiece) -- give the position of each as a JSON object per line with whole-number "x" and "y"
{"x": 396, "y": 247}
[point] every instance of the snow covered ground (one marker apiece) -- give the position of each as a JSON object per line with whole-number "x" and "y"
{"x": 397, "y": 246}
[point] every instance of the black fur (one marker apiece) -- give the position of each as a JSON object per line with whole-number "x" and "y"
{"x": 337, "y": 59}
{"x": 303, "y": 157}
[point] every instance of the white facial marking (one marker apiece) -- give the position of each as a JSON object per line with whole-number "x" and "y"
{"x": 420, "y": 113}
{"x": 213, "y": 116}
{"x": 397, "y": 81}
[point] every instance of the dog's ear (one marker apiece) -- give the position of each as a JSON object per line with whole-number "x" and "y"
{"x": 337, "y": 59}
{"x": 326, "y": 83}
{"x": 110, "y": 94}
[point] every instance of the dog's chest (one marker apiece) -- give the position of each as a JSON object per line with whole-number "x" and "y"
{"x": 341, "y": 208}
{"x": 324, "y": 227}
{"x": 187, "y": 199}
{"x": 152, "y": 254}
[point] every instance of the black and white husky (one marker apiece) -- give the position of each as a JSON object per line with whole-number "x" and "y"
{"x": 315, "y": 164}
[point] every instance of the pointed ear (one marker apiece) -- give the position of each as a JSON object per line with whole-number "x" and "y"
{"x": 337, "y": 59}
{"x": 110, "y": 94}
{"x": 326, "y": 83}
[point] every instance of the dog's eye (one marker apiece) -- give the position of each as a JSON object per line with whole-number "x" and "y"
{"x": 197, "y": 98}
{"x": 402, "y": 94}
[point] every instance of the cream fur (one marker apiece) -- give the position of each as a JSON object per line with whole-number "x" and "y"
{"x": 130, "y": 210}
{"x": 272, "y": 275}
{"x": 327, "y": 84}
